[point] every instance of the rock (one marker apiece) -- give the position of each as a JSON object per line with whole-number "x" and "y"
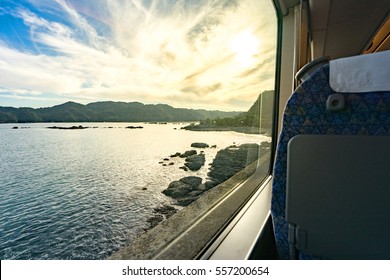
{"x": 195, "y": 162}
{"x": 186, "y": 201}
{"x": 195, "y": 193}
{"x": 184, "y": 168}
{"x": 227, "y": 163}
{"x": 186, "y": 190}
{"x": 134, "y": 127}
{"x": 210, "y": 184}
{"x": 175, "y": 155}
{"x": 231, "y": 160}
{"x": 166, "y": 159}
{"x": 171, "y": 163}
{"x": 144, "y": 189}
{"x": 199, "y": 145}
{"x": 188, "y": 153}
{"x": 71, "y": 127}
{"x": 177, "y": 189}
{"x": 193, "y": 181}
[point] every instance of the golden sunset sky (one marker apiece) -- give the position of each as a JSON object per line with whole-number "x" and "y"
{"x": 190, "y": 54}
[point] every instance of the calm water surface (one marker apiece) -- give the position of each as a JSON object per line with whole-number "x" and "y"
{"x": 80, "y": 194}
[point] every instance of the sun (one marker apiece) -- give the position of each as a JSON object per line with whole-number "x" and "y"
{"x": 245, "y": 46}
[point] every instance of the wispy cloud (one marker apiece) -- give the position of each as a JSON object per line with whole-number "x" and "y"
{"x": 199, "y": 54}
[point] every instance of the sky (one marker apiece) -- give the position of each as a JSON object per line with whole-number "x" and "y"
{"x": 203, "y": 54}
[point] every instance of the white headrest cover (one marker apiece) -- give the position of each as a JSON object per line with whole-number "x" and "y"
{"x": 363, "y": 73}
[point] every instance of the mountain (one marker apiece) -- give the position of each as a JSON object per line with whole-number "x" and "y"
{"x": 108, "y": 111}
{"x": 248, "y": 122}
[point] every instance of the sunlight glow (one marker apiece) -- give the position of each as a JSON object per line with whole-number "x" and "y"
{"x": 246, "y": 47}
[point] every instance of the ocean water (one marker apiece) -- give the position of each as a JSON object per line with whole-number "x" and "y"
{"x": 82, "y": 194}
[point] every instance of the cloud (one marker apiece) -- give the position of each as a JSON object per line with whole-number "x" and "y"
{"x": 185, "y": 53}
{"x": 200, "y": 91}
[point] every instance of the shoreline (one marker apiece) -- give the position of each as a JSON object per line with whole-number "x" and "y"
{"x": 155, "y": 240}
{"x": 239, "y": 129}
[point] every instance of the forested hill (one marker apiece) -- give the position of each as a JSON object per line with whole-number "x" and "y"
{"x": 248, "y": 122}
{"x": 108, "y": 112}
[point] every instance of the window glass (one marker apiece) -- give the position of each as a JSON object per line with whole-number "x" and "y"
{"x": 118, "y": 116}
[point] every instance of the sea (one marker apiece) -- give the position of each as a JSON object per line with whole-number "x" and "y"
{"x": 84, "y": 193}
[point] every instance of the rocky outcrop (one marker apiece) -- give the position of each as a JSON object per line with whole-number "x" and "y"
{"x": 195, "y": 162}
{"x": 175, "y": 155}
{"x": 70, "y": 127}
{"x": 199, "y": 145}
{"x": 177, "y": 189}
{"x": 231, "y": 160}
{"x": 227, "y": 163}
{"x": 186, "y": 190}
{"x": 183, "y": 187}
{"x": 188, "y": 153}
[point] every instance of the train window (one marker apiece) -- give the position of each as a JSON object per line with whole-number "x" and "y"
{"x": 149, "y": 124}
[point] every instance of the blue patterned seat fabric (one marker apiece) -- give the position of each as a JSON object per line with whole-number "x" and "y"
{"x": 306, "y": 113}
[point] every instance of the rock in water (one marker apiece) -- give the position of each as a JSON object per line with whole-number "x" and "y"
{"x": 195, "y": 162}
{"x": 231, "y": 160}
{"x": 188, "y": 153}
{"x": 199, "y": 145}
{"x": 193, "y": 181}
{"x": 186, "y": 190}
{"x": 177, "y": 189}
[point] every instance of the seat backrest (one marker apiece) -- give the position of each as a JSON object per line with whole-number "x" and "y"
{"x": 338, "y": 196}
{"x": 316, "y": 108}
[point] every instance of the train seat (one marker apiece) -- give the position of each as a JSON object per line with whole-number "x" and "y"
{"x": 348, "y": 96}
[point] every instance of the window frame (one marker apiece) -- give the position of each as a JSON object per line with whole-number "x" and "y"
{"x": 218, "y": 250}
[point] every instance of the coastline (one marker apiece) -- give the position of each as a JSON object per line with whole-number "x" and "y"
{"x": 154, "y": 242}
{"x": 225, "y": 165}
{"x": 240, "y": 129}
